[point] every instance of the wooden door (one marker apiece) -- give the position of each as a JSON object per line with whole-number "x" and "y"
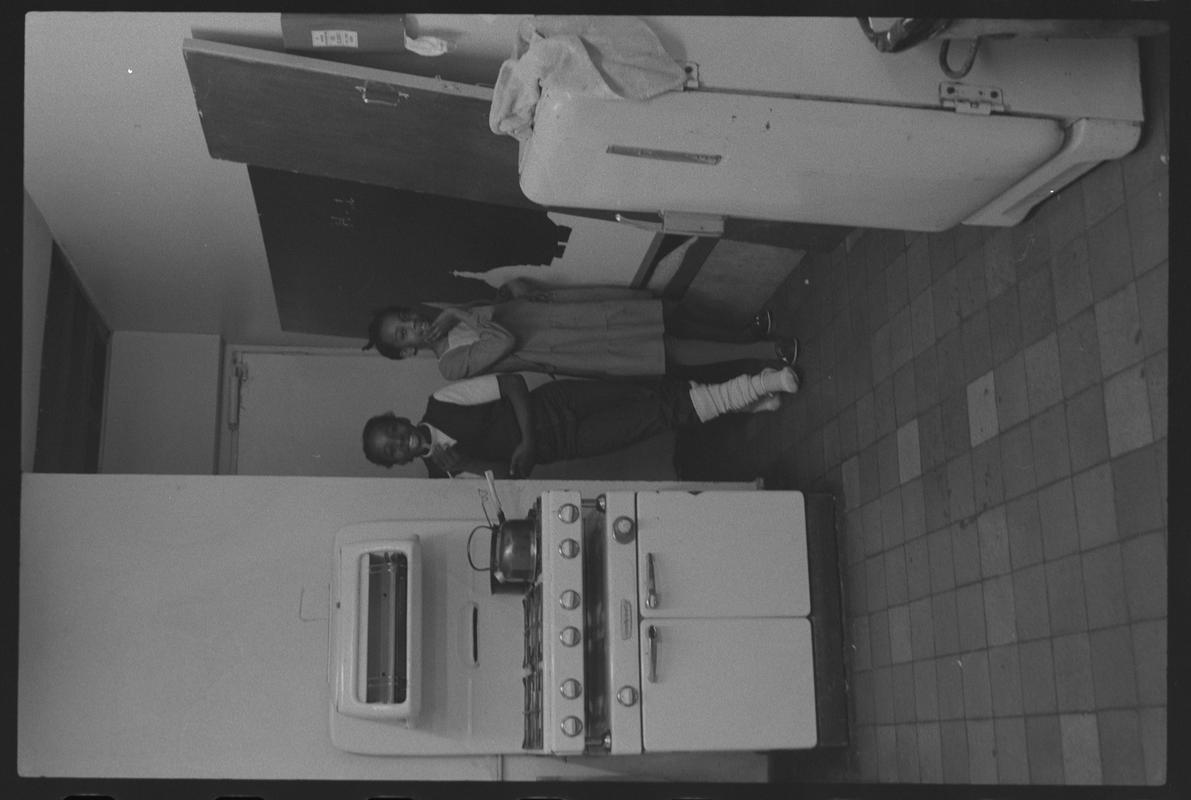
{"x": 345, "y": 121}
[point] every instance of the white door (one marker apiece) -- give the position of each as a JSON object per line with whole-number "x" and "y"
{"x": 302, "y": 413}
{"x": 727, "y": 684}
{"x": 722, "y": 554}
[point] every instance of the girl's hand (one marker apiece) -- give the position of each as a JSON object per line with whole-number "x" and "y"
{"x": 522, "y": 462}
{"x": 446, "y": 320}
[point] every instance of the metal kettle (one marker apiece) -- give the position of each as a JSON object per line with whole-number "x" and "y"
{"x": 514, "y": 555}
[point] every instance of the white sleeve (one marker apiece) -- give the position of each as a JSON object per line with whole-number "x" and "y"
{"x": 470, "y": 392}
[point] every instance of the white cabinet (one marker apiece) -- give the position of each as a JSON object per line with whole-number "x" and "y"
{"x": 722, "y": 554}
{"x": 727, "y": 684}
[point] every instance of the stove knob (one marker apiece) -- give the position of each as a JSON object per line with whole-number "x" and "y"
{"x": 623, "y": 530}
{"x": 627, "y": 696}
{"x": 569, "y": 636}
{"x": 569, "y": 599}
{"x": 570, "y": 688}
{"x": 602, "y": 503}
{"x": 572, "y": 726}
{"x": 568, "y": 548}
{"x": 568, "y": 512}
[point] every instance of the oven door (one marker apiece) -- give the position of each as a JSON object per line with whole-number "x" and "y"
{"x": 722, "y": 554}
{"x": 727, "y": 684}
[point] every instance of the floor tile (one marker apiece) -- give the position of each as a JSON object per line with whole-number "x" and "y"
{"x": 982, "y": 751}
{"x": 934, "y": 498}
{"x": 1079, "y": 353}
{"x": 926, "y": 381}
{"x": 970, "y": 283}
{"x": 1000, "y": 612}
{"x": 908, "y": 454}
{"x": 1153, "y": 305}
{"x": 866, "y": 748}
{"x": 917, "y": 569}
{"x": 943, "y": 613}
{"x": 945, "y": 296}
{"x": 1056, "y": 513}
{"x": 1044, "y": 745}
{"x": 930, "y": 438}
{"x": 988, "y": 485}
{"x": 1012, "y": 393}
{"x": 903, "y": 692}
{"x": 982, "y": 409}
{"x": 922, "y": 321}
{"x": 1155, "y": 371}
{"x": 1064, "y": 214}
{"x": 1104, "y": 583}
{"x": 965, "y": 551}
{"x": 895, "y": 580}
{"x": 949, "y": 683}
{"x": 1110, "y": 260}
{"x": 949, "y": 358}
{"x": 883, "y": 695}
{"x": 1030, "y": 605}
{"x": 1103, "y": 191}
{"x": 1121, "y": 757}
{"x": 1013, "y": 766}
{"x": 848, "y": 444}
{"x": 913, "y": 513}
{"x": 1148, "y": 216}
{"x": 1048, "y": 436}
{"x": 1005, "y": 678}
{"x": 918, "y": 275}
{"x": 1118, "y": 330}
{"x": 977, "y": 689}
{"x": 863, "y": 699}
{"x": 851, "y": 482}
{"x": 941, "y": 249}
{"x": 1031, "y": 247}
{"x": 856, "y": 589}
{"x": 905, "y": 399}
{"x": 1114, "y": 674}
{"x": 1037, "y": 677}
{"x": 1074, "y": 685}
{"x": 1143, "y": 565}
{"x": 1071, "y": 278}
{"x": 999, "y": 272}
{"x": 1024, "y": 527}
{"x": 954, "y": 735}
{"x": 866, "y": 420}
{"x": 922, "y": 631}
{"x": 959, "y": 484}
{"x": 1036, "y": 295}
{"x": 886, "y": 753}
{"x": 1065, "y": 596}
{"x": 907, "y": 753}
{"x": 956, "y": 428}
{"x": 870, "y": 479}
{"x": 1127, "y": 411}
{"x": 1150, "y": 661}
{"x": 877, "y": 604}
{"x": 930, "y": 752}
{"x": 1153, "y": 744}
{"x": 858, "y": 645}
{"x": 1043, "y": 377}
{"x": 1095, "y": 507}
{"x": 887, "y": 462}
{"x": 1004, "y": 325}
{"x": 886, "y": 412}
{"x": 969, "y": 616}
{"x": 993, "y": 531}
{"x": 942, "y": 564}
{"x": 892, "y": 532}
{"x": 897, "y": 288}
{"x": 1081, "y": 748}
{"x": 1087, "y": 429}
{"x": 901, "y": 338}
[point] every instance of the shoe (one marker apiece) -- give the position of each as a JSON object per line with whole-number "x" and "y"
{"x": 770, "y": 402}
{"x": 761, "y": 325}
{"x": 787, "y": 351}
{"x": 770, "y": 380}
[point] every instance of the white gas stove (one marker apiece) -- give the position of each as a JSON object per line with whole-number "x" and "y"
{"x": 670, "y": 621}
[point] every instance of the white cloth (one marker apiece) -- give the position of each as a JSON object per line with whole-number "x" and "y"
{"x": 426, "y": 45}
{"x": 470, "y": 392}
{"x": 603, "y": 56}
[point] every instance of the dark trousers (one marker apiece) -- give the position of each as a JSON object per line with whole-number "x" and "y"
{"x": 577, "y": 419}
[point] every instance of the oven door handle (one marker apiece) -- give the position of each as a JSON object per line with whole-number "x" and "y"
{"x": 651, "y": 592}
{"x": 653, "y": 637}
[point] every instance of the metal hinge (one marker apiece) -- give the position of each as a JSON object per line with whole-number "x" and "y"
{"x": 967, "y": 99}
{"x": 692, "y": 75}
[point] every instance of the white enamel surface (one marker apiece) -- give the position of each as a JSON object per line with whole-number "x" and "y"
{"x": 622, "y": 663}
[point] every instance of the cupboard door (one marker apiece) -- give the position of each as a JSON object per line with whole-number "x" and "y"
{"x": 727, "y": 684}
{"x": 356, "y": 123}
{"x": 723, "y": 554}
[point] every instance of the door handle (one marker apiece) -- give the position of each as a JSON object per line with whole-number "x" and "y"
{"x": 654, "y": 637}
{"x": 651, "y": 592}
{"x": 394, "y": 99}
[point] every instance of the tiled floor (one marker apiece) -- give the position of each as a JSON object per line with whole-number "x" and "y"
{"x": 989, "y": 406}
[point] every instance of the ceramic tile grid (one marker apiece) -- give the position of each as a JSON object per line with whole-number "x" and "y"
{"x": 989, "y": 407}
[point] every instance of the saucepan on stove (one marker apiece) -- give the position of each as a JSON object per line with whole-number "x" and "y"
{"x": 513, "y": 551}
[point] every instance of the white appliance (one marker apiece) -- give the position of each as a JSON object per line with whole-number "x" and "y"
{"x": 803, "y": 120}
{"x": 655, "y": 621}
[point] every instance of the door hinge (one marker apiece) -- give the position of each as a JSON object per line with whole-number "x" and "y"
{"x": 967, "y": 99}
{"x": 692, "y": 75}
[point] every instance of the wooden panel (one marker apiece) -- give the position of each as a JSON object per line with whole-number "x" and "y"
{"x": 345, "y": 121}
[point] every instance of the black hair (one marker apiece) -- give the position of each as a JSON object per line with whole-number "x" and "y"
{"x": 369, "y": 428}
{"x": 387, "y": 349}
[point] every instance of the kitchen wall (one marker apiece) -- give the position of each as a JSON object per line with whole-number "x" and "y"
{"x": 175, "y": 646}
